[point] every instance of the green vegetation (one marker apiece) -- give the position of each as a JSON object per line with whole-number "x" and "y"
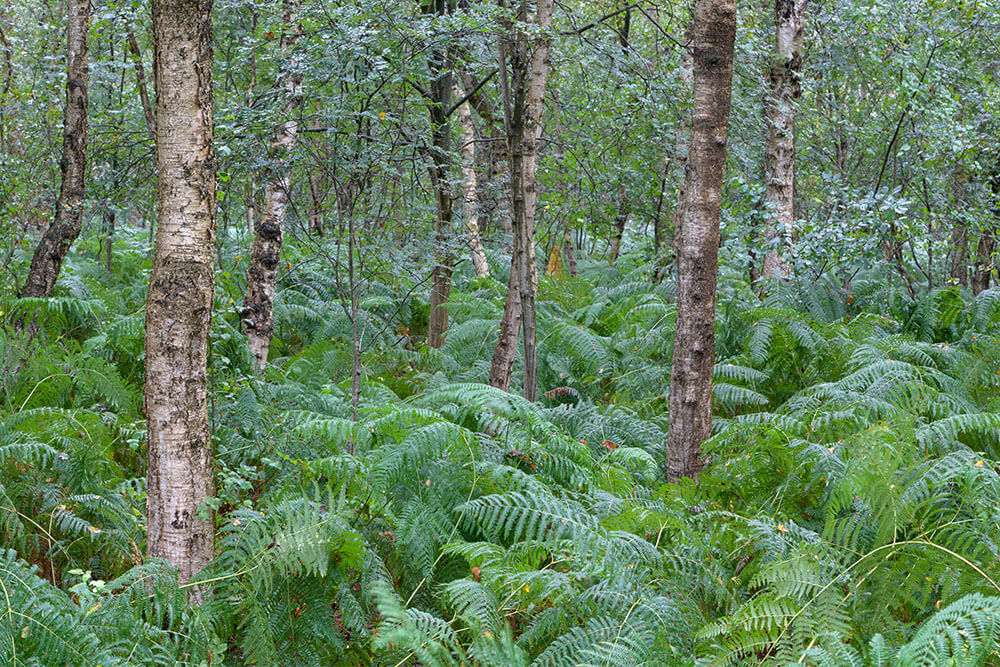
{"x": 351, "y": 189}
{"x": 847, "y": 515}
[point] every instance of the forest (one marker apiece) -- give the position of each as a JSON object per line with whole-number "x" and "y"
{"x": 500, "y": 333}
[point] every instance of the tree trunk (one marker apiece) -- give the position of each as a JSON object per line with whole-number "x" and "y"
{"x": 983, "y": 269}
{"x": 621, "y": 219}
{"x": 499, "y": 149}
{"x": 108, "y": 220}
{"x": 444, "y": 262}
{"x": 140, "y": 82}
{"x": 257, "y": 314}
{"x": 316, "y": 194}
{"x": 532, "y": 131}
{"x": 570, "y": 254}
{"x": 959, "y": 252}
{"x": 57, "y": 239}
{"x": 698, "y": 239}
{"x": 682, "y": 135}
{"x": 179, "y": 303}
{"x": 470, "y": 195}
{"x": 8, "y": 79}
{"x": 506, "y": 350}
{"x": 779, "y": 149}
{"x": 524, "y": 96}
{"x": 440, "y": 94}
{"x": 315, "y": 203}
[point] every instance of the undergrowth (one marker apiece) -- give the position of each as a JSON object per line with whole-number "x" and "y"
{"x": 847, "y": 514}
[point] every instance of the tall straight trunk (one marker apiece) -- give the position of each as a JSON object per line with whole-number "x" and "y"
{"x": 533, "y": 108}
{"x": 315, "y": 203}
{"x": 570, "y": 254}
{"x": 439, "y": 103}
{"x": 959, "y": 255}
{"x": 682, "y": 134}
{"x": 179, "y": 303}
{"x": 262, "y": 272}
{"x": 316, "y": 194}
{"x": 140, "y": 82}
{"x": 621, "y": 219}
{"x": 502, "y": 366}
{"x": 57, "y": 239}
{"x": 524, "y": 98}
{"x": 698, "y": 239}
{"x": 779, "y": 149}
{"x": 470, "y": 188}
{"x": 659, "y": 261}
{"x": 437, "y": 325}
{"x": 983, "y": 268}
{"x": 505, "y": 351}
{"x": 7, "y": 78}
{"x": 498, "y": 149}
{"x": 108, "y": 222}
{"x": 355, "y": 324}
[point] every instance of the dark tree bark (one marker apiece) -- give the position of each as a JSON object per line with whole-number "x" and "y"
{"x": 442, "y": 82}
{"x": 983, "y": 268}
{"x": 179, "y": 304}
{"x": 7, "y": 77}
{"x": 440, "y": 164}
{"x": 959, "y": 255}
{"x": 57, "y": 239}
{"x": 698, "y": 239}
{"x": 570, "y": 254}
{"x": 779, "y": 149}
{"x": 682, "y": 135}
{"x": 257, "y": 314}
{"x": 506, "y": 350}
{"x": 140, "y": 81}
{"x": 108, "y": 221}
{"x": 621, "y": 219}
{"x": 317, "y": 194}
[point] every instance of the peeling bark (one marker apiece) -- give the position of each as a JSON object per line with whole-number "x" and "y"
{"x": 257, "y": 314}
{"x": 179, "y": 303}
{"x": 779, "y": 150}
{"x": 60, "y": 235}
{"x": 698, "y": 239}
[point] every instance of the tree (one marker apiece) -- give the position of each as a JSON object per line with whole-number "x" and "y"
{"x": 698, "y": 238}
{"x": 57, "y": 239}
{"x": 257, "y": 314}
{"x": 439, "y": 106}
{"x": 524, "y": 98}
{"x": 179, "y": 303}
{"x": 470, "y": 188}
{"x": 779, "y": 151}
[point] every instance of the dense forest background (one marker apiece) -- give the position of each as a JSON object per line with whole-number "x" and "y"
{"x": 397, "y": 189}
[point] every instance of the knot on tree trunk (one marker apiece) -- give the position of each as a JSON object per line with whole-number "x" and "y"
{"x": 269, "y": 230}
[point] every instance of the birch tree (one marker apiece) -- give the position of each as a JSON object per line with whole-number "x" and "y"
{"x": 59, "y": 236}
{"x": 698, "y": 238}
{"x": 180, "y": 528}
{"x": 257, "y": 314}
